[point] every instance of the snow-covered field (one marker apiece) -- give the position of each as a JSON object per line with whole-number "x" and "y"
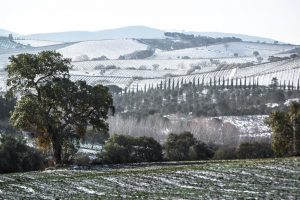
{"x": 252, "y": 125}
{"x": 240, "y": 179}
{"x": 221, "y": 50}
{"x": 38, "y": 43}
{"x": 122, "y": 82}
{"x": 162, "y": 64}
{"x": 128, "y": 73}
{"x": 112, "y": 49}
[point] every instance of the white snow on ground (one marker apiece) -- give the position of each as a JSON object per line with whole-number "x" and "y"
{"x": 178, "y": 64}
{"x": 121, "y": 183}
{"x": 232, "y": 73}
{"x": 219, "y": 50}
{"x": 38, "y": 43}
{"x": 112, "y": 49}
{"x": 250, "y": 125}
{"x": 272, "y": 105}
{"x": 289, "y": 101}
{"x": 170, "y": 181}
{"x": 88, "y": 191}
{"x": 27, "y": 189}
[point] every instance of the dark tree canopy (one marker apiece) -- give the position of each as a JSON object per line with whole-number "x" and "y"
{"x": 286, "y": 130}
{"x": 51, "y": 105}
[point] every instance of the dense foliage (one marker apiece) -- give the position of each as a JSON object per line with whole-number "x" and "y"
{"x": 128, "y": 149}
{"x": 53, "y": 107}
{"x": 204, "y": 101}
{"x": 6, "y": 106}
{"x": 285, "y": 126}
{"x": 185, "y": 147}
{"x": 16, "y": 156}
{"x": 250, "y": 150}
{"x": 180, "y": 41}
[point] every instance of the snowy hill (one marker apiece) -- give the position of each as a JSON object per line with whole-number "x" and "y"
{"x": 131, "y": 32}
{"x": 37, "y": 43}
{"x": 6, "y": 44}
{"x": 4, "y": 32}
{"x": 124, "y": 32}
{"x": 222, "y": 50}
{"x": 112, "y": 49}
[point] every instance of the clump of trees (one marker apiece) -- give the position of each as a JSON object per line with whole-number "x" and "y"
{"x": 16, "y": 156}
{"x": 141, "y": 54}
{"x": 251, "y": 150}
{"x": 245, "y": 150}
{"x": 285, "y": 126}
{"x": 203, "y": 101}
{"x": 178, "y": 147}
{"x": 177, "y": 40}
{"x": 185, "y": 147}
{"x": 128, "y": 149}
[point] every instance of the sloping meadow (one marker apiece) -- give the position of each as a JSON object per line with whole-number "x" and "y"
{"x": 259, "y": 179}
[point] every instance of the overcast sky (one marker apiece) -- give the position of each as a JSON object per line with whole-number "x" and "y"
{"x": 277, "y": 19}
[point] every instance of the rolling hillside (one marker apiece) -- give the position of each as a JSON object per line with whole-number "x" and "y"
{"x": 222, "y": 50}
{"x": 37, "y": 43}
{"x": 118, "y": 33}
{"x": 112, "y": 49}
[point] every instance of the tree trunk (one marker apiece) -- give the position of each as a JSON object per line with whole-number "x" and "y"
{"x": 57, "y": 148}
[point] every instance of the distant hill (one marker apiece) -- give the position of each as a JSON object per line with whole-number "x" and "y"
{"x": 124, "y": 32}
{"x": 131, "y": 32}
{"x": 247, "y": 38}
{"x": 4, "y": 32}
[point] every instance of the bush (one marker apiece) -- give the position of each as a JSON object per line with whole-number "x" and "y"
{"x": 252, "y": 150}
{"x": 128, "y": 149}
{"x": 225, "y": 153}
{"x": 146, "y": 149}
{"x": 185, "y": 147}
{"x": 142, "y": 54}
{"x": 81, "y": 160}
{"x": 16, "y": 156}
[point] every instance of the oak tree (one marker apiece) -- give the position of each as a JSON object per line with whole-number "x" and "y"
{"x": 50, "y": 104}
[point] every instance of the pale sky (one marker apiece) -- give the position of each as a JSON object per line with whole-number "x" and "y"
{"x": 276, "y": 19}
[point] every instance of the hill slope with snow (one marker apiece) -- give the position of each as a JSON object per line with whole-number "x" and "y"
{"x": 118, "y": 33}
{"x": 37, "y": 43}
{"x": 224, "y": 50}
{"x": 112, "y": 49}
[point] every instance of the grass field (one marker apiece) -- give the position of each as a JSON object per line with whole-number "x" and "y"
{"x": 241, "y": 179}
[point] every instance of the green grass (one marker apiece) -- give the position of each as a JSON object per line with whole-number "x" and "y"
{"x": 239, "y": 179}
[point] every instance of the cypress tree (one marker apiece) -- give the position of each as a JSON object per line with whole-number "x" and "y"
{"x": 173, "y": 84}
{"x": 241, "y": 83}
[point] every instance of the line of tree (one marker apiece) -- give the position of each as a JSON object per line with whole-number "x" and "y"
{"x": 204, "y": 101}
{"x": 220, "y": 82}
{"x": 177, "y": 40}
{"x": 177, "y": 147}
